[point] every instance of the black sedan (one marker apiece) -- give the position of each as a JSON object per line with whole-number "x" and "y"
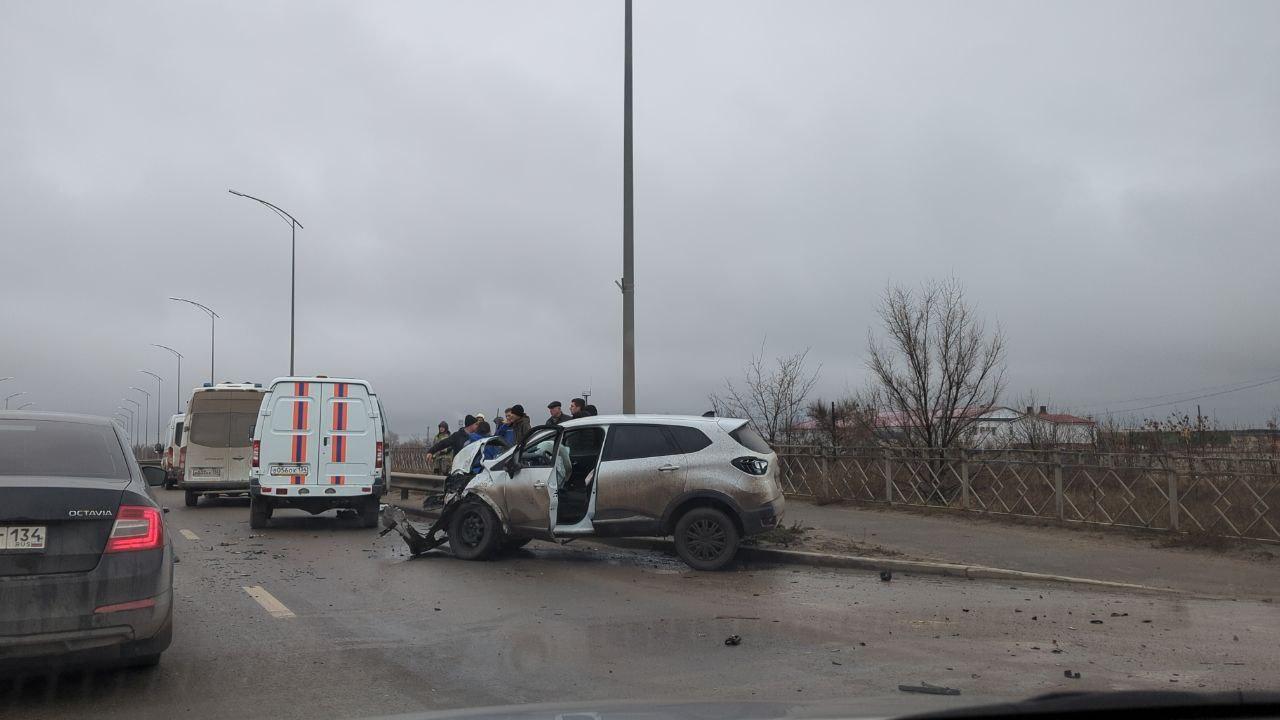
{"x": 86, "y": 568}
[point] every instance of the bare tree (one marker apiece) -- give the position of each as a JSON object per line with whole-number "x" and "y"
{"x": 771, "y": 396}
{"x": 938, "y": 369}
{"x": 847, "y": 421}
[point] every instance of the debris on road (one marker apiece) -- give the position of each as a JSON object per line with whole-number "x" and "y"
{"x": 733, "y": 640}
{"x": 928, "y": 689}
{"x": 1072, "y": 674}
{"x": 886, "y": 575}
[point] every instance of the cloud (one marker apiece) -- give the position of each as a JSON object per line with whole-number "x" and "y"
{"x": 1101, "y": 178}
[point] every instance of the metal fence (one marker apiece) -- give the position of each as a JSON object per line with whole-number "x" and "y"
{"x": 1226, "y": 496}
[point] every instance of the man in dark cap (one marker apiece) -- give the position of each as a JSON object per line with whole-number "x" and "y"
{"x": 456, "y": 441}
{"x": 557, "y": 415}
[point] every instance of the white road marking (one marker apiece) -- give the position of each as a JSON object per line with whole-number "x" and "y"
{"x": 188, "y": 534}
{"x": 269, "y": 602}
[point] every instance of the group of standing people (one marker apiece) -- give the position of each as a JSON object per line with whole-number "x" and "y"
{"x": 512, "y": 428}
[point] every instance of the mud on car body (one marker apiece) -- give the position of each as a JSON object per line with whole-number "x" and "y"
{"x": 708, "y": 482}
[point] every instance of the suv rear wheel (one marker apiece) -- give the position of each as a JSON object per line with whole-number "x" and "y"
{"x": 191, "y": 498}
{"x": 706, "y": 539}
{"x": 473, "y": 531}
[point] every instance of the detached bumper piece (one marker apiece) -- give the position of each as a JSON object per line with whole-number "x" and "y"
{"x": 393, "y": 518}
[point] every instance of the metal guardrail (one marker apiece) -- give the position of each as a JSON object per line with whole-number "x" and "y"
{"x": 405, "y": 482}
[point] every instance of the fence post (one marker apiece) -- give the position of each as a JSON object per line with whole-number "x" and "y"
{"x": 1059, "y": 501}
{"x": 964, "y": 479}
{"x": 1173, "y": 499}
{"x": 826, "y": 484}
{"x": 888, "y": 476}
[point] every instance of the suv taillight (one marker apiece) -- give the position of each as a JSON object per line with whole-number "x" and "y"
{"x": 377, "y": 456}
{"x": 257, "y": 452}
{"x": 138, "y": 527}
{"x": 751, "y": 465}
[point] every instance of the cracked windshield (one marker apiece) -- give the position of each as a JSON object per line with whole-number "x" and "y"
{"x": 639, "y": 359}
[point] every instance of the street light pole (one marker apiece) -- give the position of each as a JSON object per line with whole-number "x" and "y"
{"x": 177, "y": 394}
{"x": 213, "y": 329}
{"x": 146, "y": 413}
{"x": 10, "y": 397}
{"x": 293, "y": 260}
{"x": 628, "y": 284}
{"x": 133, "y": 425}
{"x": 25, "y": 405}
{"x": 159, "y": 393}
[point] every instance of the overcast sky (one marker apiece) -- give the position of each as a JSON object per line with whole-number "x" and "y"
{"x": 1103, "y": 177}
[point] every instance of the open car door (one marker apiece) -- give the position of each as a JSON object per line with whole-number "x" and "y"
{"x": 535, "y": 471}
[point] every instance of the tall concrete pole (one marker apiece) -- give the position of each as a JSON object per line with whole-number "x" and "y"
{"x": 628, "y": 284}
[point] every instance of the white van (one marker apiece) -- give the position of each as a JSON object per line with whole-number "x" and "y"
{"x": 171, "y": 461}
{"x": 218, "y": 428}
{"x": 318, "y": 445}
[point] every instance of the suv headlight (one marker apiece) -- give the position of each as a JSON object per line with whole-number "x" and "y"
{"x": 751, "y": 465}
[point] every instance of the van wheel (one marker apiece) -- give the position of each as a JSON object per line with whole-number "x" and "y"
{"x": 191, "y": 498}
{"x": 259, "y": 512}
{"x": 369, "y": 513}
{"x": 473, "y": 531}
{"x": 706, "y": 539}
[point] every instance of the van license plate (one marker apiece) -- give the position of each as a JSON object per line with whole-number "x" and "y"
{"x": 206, "y": 472}
{"x": 290, "y": 469}
{"x": 28, "y": 537}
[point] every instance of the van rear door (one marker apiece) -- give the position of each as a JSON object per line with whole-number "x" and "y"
{"x": 219, "y": 431}
{"x": 289, "y": 442}
{"x": 349, "y": 422}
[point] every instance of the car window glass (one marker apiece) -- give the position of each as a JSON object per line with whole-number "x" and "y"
{"x": 629, "y": 442}
{"x": 584, "y": 442}
{"x": 44, "y": 448}
{"x": 537, "y": 450}
{"x": 689, "y": 439}
{"x": 748, "y": 438}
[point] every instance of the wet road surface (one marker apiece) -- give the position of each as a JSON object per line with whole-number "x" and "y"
{"x": 315, "y": 617}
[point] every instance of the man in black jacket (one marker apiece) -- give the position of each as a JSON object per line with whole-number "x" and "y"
{"x": 557, "y": 415}
{"x": 457, "y": 440}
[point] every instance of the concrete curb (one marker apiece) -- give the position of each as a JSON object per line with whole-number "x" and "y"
{"x": 857, "y": 562}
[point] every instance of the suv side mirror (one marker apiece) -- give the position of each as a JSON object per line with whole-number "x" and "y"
{"x": 512, "y": 466}
{"x": 153, "y": 474}
{"x": 159, "y": 448}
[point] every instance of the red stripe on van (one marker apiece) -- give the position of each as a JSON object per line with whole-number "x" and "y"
{"x": 301, "y": 422}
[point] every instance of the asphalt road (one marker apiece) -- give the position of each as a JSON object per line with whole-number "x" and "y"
{"x": 315, "y": 617}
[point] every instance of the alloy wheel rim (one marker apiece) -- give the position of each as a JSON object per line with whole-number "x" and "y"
{"x": 706, "y": 539}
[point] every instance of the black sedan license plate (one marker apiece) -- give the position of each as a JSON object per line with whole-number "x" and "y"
{"x": 21, "y": 537}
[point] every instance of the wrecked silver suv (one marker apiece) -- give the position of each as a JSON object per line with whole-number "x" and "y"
{"x": 707, "y": 481}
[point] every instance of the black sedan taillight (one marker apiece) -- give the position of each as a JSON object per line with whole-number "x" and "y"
{"x": 751, "y": 465}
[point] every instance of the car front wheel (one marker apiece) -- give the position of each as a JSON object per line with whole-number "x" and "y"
{"x": 473, "y": 531}
{"x": 706, "y": 539}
